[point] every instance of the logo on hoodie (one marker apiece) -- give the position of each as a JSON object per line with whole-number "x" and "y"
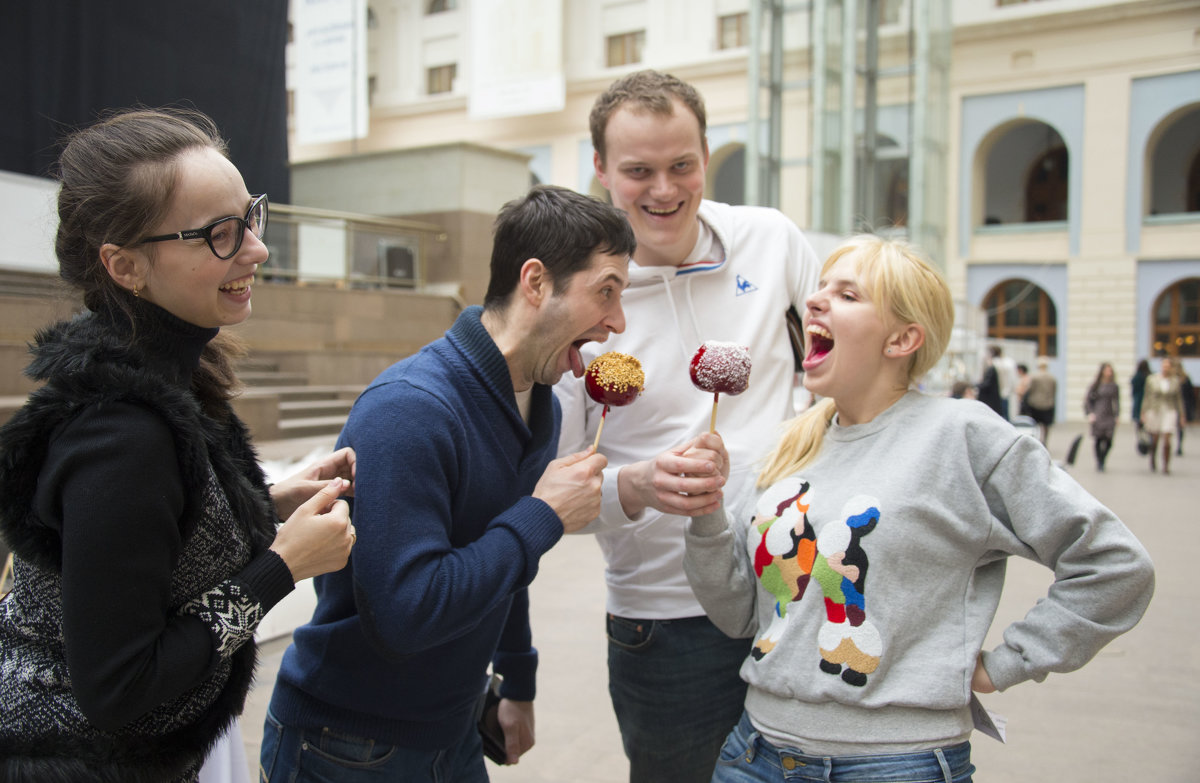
{"x": 744, "y": 286}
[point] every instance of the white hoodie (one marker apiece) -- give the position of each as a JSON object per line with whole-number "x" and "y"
{"x": 747, "y": 269}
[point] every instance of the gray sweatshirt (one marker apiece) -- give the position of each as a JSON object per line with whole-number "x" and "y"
{"x": 870, "y": 578}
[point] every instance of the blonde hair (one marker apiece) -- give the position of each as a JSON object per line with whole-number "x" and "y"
{"x": 904, "y": 287}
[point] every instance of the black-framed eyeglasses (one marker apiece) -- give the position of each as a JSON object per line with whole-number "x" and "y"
{"x": 224, "y": 236}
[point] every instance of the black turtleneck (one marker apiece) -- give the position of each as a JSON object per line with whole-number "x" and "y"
{"x": 111, "y": 485}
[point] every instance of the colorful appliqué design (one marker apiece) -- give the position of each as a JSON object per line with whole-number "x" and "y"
{"x": 789, "y": 554}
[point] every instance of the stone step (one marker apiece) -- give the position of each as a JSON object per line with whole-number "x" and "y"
{"x": 295, "y": 409}
{"x": 311, "y": 425}
{"x": 309, "y": 392}
{"x": 272, "y": 378}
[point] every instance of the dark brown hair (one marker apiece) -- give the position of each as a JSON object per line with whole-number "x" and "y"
{"x": 561, "y": 228}
{"x": 648, "y": 91}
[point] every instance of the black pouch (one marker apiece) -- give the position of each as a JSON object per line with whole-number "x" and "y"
{"x": 489, "y": 723}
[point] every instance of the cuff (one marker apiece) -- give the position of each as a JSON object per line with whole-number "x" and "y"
{"x": 519, "y": 670}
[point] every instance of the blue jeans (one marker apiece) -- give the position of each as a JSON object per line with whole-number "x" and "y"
{"x": 676, "y": 692}
{"x": 747, "y": 757}
{"x": 292, "y": 755}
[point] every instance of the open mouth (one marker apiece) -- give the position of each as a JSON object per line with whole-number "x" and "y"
{"x": 661, "y": 212}
{"x": 820, "y": 343}
{"x": 237, "y": 286}
{"x": 576, "y": 359}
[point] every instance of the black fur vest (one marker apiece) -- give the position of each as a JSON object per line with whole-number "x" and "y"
{"x": 227, "y": 520}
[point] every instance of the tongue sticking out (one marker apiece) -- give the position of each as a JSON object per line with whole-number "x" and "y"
{"x": 577, "y": 368}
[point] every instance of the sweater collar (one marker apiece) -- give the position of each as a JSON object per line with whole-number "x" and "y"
{"x": 470, "y": 337}
{"x": 168, "y": 343}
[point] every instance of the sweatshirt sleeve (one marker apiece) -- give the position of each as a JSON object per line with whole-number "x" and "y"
{"x": 719, "y": 573}
{"x": 1103, "y": 576}
{"x": 112, "y": 479}
{"x": 422, "y": 576}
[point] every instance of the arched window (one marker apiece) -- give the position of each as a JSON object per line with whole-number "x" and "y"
{"x": 1173, "y": 164}
{"x": 1177, "y": 319}
{"x": 1025, "y": 171}
{"x": 1020, "y": 310}
{"x": 1046, "y": 187}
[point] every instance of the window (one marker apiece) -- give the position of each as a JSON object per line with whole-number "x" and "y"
{"x": 1020, "y": 310}
{"x": 440, "y": 79}
{"x": 1046, "y": 187}
{"x": 626, "y": 48}
{"x": 438, "y": 6}
{"x": 1177, "y": 319}
{"x": 733, "y": 31}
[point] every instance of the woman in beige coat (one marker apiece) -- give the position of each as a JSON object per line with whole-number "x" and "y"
{"x": 1162, "y": 410}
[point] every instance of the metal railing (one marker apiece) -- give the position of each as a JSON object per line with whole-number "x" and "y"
{"x": 347, "y": 249}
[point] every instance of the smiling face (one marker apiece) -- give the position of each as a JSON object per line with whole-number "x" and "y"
{"x": 654, "y": 169}
{"x": 587, "y": 309}
{"x": 847, "y": 340}
{"x": 184, "y": 277}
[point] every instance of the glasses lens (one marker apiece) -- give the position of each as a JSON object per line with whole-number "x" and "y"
{"x": 226, "y": 236}
{"x": 256, "y": 218}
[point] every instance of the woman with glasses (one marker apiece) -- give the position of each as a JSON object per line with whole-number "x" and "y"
{"x": 146, "y": 539}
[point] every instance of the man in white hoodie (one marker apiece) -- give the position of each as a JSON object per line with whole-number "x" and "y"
{"x": 702, "y": 271}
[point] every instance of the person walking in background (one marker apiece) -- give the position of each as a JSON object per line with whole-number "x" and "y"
{"x": 1102, "y": 405}
{"x": 702, "y": 271}
{"x": 459, "y": 497}
{"x": 146, "y": 540}
{"x": 1042, "y": 397}
{"x": 1189, "y": 407}
{"x": 1021, "y": 388}
{"x": 988, "y": 389}
{"x": 1137, "y": 386}
{"x": 871, "y": 599}
{"x": 1162, "y": 409}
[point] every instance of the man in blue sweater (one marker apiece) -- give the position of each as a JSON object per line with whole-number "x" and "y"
{"x": 457, "y": 497}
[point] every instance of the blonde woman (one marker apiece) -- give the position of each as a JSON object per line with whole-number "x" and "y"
{"x": 1162, "y": 410}
{"x": 874, "y": 560}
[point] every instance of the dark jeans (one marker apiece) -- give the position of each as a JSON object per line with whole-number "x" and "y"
{"x": 676, "y": 692}
{"x": 293, "y": 755}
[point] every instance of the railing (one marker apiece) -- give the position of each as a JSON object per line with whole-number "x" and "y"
{"x": 320, "y": 245}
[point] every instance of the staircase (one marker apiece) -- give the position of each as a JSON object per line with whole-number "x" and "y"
{"x": 300, "y": 409}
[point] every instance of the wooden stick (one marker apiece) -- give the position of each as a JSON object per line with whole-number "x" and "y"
{"x": 600, "y": 429}
{"x": 712, "y": 423}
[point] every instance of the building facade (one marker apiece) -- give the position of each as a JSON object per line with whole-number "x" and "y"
{"x": 1069, "y": 198}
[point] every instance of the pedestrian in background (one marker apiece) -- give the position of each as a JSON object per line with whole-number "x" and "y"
{"x": 1189, "y": 407}
{"x": 1162, "y": 410}
{"x": 1041, "y": 398}
{"x": 1102, "y": 405}
{"x": 1137, "y": 385}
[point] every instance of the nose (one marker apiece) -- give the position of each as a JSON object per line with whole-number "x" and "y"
{"x": 615, "y": 322}
{"x": 816, "y": 301}
{"x": 253, "y": 249}
{"x": 660, "y": 185}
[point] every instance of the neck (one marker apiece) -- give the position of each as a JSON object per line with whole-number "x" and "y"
{"x": 863, "y": 409}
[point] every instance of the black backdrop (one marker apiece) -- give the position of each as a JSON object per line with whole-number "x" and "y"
{"x": 62, "y": 62}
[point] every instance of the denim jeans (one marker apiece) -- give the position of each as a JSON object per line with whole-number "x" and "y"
{"x": 748, "y": 758}
{"x": 292, "y": 755}
{"x": 676, "y": 692}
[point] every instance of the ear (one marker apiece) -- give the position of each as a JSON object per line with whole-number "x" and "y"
{"x": 534, "y": 283}
{"x": 905, "y": 341}
{"x": 125, "y": 266}
{"x": 598, "y": 165}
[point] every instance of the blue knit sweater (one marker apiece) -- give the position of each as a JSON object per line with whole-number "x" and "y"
{"x": 448, "y": 540}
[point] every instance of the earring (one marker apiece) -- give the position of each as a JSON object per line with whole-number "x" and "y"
{"x": 136, "y": 292}
{"x": 889, "y": 350}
